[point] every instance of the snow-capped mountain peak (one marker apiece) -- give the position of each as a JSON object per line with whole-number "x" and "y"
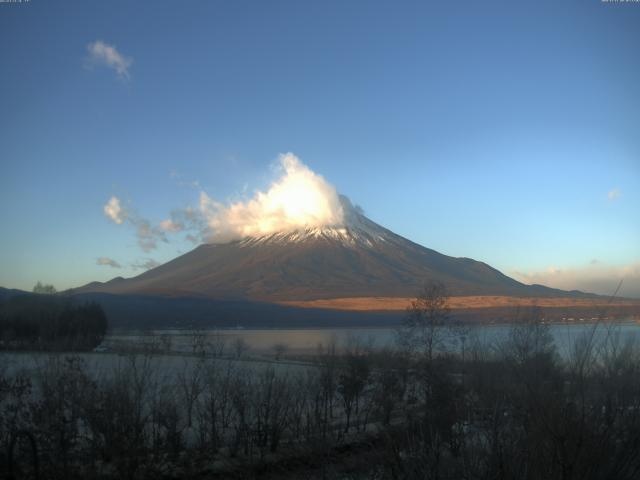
{"x": 355, "y": 230}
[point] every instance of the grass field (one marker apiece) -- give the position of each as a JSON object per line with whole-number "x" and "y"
{"x": 468, "y": 302}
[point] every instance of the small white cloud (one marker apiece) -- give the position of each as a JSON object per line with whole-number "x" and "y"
{"x": 108, "y": 262}
{"x": 102, "y": 53}
{"x": 114, "y": 211}
{"x": 613, "y": 194}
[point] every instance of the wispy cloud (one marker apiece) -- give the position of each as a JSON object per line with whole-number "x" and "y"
{"x": 182, "y": 182}
{"x": 147, "y": 235}
{"x": 171, "y": 226}
{"x": 298, "y": 197}
{"x": 189, "y": 220}
{"x": 101, "y": 53}
{"x": 594, "y": 277}
{"x": 146, "y": 264}
{"x": 192, "y": 238}
{"x": 613, "y": 194}
{"x": 109, "y": 262}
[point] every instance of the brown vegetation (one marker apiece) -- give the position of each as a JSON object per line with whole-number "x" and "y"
{"x": 460, "y": 303}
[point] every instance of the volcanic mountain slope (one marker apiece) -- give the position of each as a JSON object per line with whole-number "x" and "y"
{"x": 357, "y": 259}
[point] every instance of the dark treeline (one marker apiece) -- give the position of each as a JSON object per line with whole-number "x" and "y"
{"x": 50, "y": 322}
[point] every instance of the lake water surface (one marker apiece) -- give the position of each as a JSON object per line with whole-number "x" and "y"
{"x": 307, "y": 341}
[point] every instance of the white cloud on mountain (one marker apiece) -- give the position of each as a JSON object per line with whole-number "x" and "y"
{"x": 298, "y": 198}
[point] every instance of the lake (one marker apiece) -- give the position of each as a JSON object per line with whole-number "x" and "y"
{"x": 306, "y": 341}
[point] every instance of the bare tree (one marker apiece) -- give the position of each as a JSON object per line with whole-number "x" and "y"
{"x": 62, "y": 382}
{"x": 198, "y": 342}
{"x": 328, "y": 361}
{"x": 422, "y": 328}
{"x": 240, "y": 396}
{"x": 218, "y": 343}
{"x": 240, "y": 347}
{"x": 166, "y": 342}
{"x": 190, "y": 384}
{"x": 215, "y": 409}
{"x": 270, "y": 406}
{"x": 353, "y": 377}
{"x": 280, "y": 349}
{"x": 118, "y": 415}
{"x": 529, "y": 338}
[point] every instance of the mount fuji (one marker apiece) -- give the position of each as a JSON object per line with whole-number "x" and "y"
{"x": 355, "y": 259}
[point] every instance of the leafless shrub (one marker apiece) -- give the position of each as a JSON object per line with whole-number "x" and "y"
{"x": 189, "y": 380}
{"x": 198, "y": 342}
{"x": 422, "y": 329}
{"x": 279, "y": 349}
{"x": 215, "y": 406}
{"x": 119, "y": 414}
{"x": 240, "y": 347}
{"x": 217, "y": 344}
{"x": 353, "y": 378}
{"x": 62, "y": 382}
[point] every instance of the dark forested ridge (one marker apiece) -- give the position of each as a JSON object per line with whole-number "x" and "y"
{"x": 50, "y": 322}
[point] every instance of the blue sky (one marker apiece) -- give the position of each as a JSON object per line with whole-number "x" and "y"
{"x": 508, "y": 132}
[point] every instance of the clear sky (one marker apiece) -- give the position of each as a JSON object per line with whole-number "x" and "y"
{"x": 504, "y": 131}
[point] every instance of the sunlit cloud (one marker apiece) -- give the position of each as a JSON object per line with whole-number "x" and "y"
{"x": 595, "y": 277}
{"x": 109, "y": 262}
{"x": 114, "y": 211}
{"x": 298, "y": 198}
{"x": 101, "y": 53}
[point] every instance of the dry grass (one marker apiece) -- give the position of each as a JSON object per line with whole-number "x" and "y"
{"x": 469, "y": 302}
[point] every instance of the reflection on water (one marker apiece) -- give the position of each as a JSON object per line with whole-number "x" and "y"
{"x": 307, "y": 340}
